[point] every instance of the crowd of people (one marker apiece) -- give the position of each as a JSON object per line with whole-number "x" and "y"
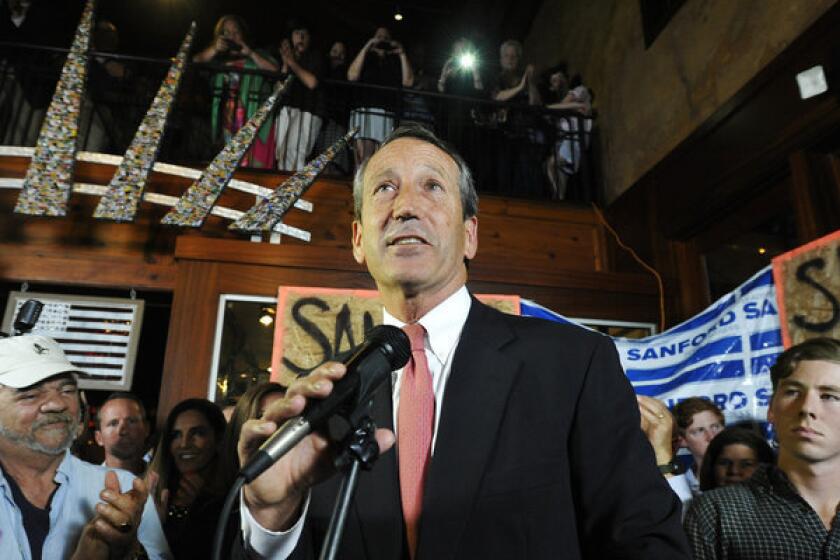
{"x": 739, "y": 499}
{"x": 743, "y": 499}
{"x": 523, "y": 134}
{"x": 538, "y": 150}
{"x": 165, "y": 499}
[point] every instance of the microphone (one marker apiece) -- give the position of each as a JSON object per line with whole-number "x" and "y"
{"x": 385, "y": 349}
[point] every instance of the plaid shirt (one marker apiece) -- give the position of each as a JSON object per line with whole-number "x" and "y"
{"x": 764, "y": 518}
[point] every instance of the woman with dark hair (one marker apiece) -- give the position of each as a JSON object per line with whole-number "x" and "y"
{"x": 237, "y": 95}
{"x": 186, "y": 479}
{"x": 250, "y": 405}
{"x": 732, "y": 457}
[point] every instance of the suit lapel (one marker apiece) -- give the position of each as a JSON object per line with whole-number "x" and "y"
{"x": 378, "y": 493}
{"x": 474, "y": 402}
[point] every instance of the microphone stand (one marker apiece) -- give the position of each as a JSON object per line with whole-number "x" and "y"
{"x": 358, "y": 450}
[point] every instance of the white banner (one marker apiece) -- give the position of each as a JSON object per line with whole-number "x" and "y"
{"x": 723, "y": 354}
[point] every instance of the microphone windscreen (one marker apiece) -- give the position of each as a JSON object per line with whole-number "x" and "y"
{"x": 394, "y": 343}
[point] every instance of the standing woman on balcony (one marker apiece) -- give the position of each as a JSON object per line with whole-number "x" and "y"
{"x": 237, "y": 95}
{"x": 383, "y": 62}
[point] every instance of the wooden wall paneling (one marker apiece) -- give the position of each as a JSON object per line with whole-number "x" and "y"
{"x": 775, "y": 200}
{"x": 264, "y": 280}
{"x": 834, "y": 162}
{"x": 26, "y": 263}
{"x": 692, "y": 279}
{"x": 602, "y": 253}
{"x": 189, "y": 346}
{"x": 826, "y": 188}
{"x": 667, "y": 263}
{"x": 542, "y": 243}
{"x": 806, "y": 212}
{"x": 291, "y": 254}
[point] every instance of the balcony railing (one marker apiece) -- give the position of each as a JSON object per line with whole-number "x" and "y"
{"x": 513, "y": 150}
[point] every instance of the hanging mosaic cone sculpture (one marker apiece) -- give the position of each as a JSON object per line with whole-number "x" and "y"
{"x": 266, "y": 213}
{"x": 195, "y": 204}
{"x": 129, "y": 181}
{"x": 49, "y": 178}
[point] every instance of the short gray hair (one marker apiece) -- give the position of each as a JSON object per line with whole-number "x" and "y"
{"x": 466, "y": 185}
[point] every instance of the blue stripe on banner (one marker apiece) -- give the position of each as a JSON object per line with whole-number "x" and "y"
{"x": 765, "y": 339}
{"x": 711, "y": 372}
{"x": 707, "y": 317}
{"x": 720, "y": 347}
{"x": 757, "y": 365}
{"x": 530, "y": 310}
{"x": 763, "y": 279}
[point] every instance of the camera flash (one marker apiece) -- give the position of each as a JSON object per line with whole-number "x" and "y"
{"x": 466, "y": 60}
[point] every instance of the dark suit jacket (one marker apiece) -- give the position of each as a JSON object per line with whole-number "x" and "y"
{"x": 538, "y": 455}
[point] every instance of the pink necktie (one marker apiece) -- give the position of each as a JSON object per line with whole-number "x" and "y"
{"x": 415, "y": 422}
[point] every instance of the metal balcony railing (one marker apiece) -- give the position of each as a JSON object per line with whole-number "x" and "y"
{"x": 513, "y": 150}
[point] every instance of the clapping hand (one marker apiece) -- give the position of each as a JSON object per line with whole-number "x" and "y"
{"x": 287, "y": 54}
{"x": 113, "y": 530}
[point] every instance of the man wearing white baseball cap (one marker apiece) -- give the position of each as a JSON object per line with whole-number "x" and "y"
{"x": 54, "y": 505}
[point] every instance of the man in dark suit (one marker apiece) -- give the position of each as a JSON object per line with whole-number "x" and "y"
{"x": 516, "y": 437}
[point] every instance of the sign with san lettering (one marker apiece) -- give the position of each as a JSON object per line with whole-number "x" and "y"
{"x": 316, "y": 324}
{"x": 808, "y": 285}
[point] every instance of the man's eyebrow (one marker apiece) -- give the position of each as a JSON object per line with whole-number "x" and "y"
{"x": 832, "y": 388}
{"x": 800, "y": 385}
{"x": 40, "y": 386}
{"x": 789, "y": 382}
{"x": 388, "y": 172}
{"x": 29, "y": 388}
{"x": 434, "y": 168}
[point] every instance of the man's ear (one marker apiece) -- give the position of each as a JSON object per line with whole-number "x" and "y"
{"x": 470, "y": 237}
{"x": 681, "y": 442}
{"x": 97, "y": 435}
{"x": 358, "y": 250}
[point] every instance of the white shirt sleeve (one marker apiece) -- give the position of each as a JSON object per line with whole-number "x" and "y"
{"x": 679, "y": 484}
{"x": 261, "y": 543}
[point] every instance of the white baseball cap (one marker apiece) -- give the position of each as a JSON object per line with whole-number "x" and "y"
{"x": 29, "y": 359}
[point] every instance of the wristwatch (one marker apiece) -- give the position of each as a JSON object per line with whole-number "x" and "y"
{"x": 671, "y": 467}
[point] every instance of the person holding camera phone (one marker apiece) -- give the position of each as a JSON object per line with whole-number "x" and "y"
{"x": 382, "y": 61}
{"x": 238, "y": 93}
{"x": 460, "y": 74}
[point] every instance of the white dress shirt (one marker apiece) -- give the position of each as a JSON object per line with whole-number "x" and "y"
{"x": 443, "y": 325}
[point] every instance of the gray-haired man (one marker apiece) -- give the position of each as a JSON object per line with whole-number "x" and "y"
{"x": 55, "y": 505}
